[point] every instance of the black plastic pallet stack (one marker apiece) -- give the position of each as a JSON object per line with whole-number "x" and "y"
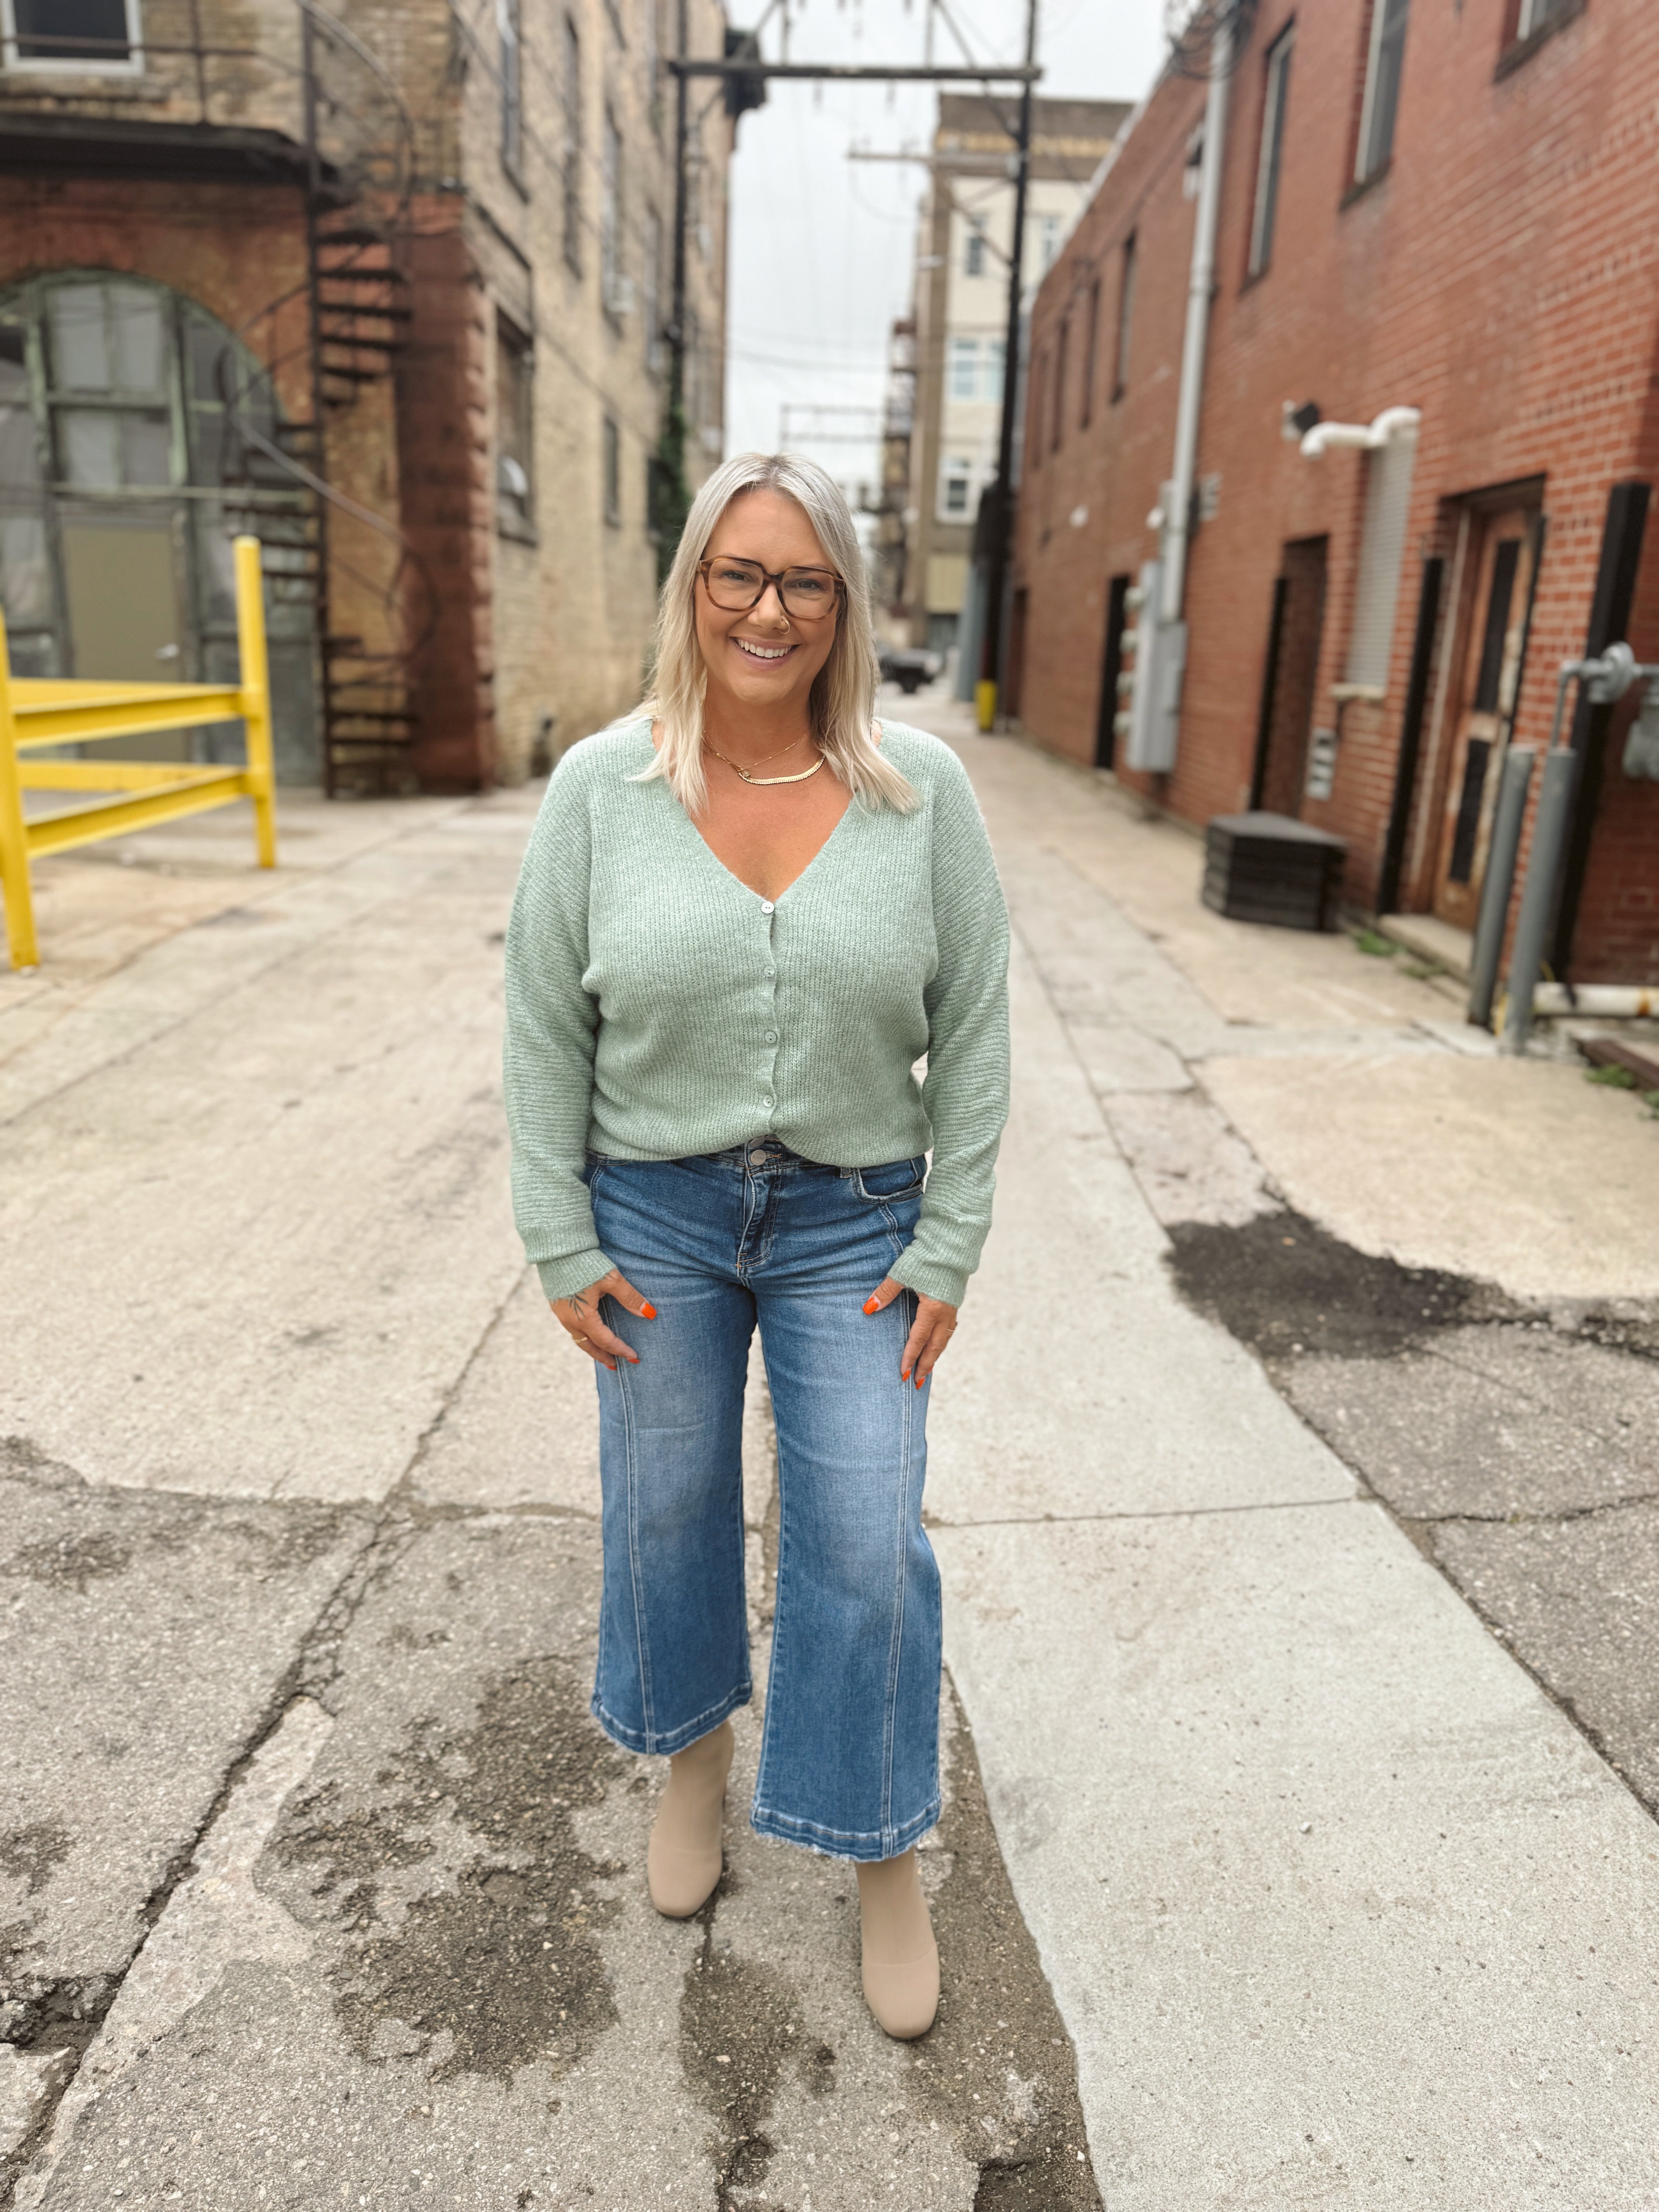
{"x": 1270, "y": 867}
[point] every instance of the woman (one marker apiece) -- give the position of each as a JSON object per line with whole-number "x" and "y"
{"x": 743, "y": 915}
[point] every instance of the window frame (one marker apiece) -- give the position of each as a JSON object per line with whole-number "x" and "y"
{"x": 14, "y": 63}
{"x": 509, "y": 25}
{"x": 1123, "y": 337}
{"x": 610, "y": 215}
{"x": 961, "y": 371}
{"x": 611, "y": 470}
{"x": 1057, "y": 397}
{"x": 955, "y": 468}
{"x": 1264, "y": 207}
{"x": 973, "y": 254}
{"x": 571, "y": 107}
{"x": 1370, "y": 162}
{"x": 1090, "y": 356}
{"x": 1525, "y": 30}
{"x": 515, "y": 344}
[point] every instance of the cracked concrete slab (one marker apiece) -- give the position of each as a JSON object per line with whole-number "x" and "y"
{"x": 1578, "y": 1600}
{"x": 462, "y": 1997}
{"x": 142, "y": 1642}
{"x": 1436, "y": 1437}
{"x": 339, "y": 1278}
{"x": 1334, "y": 1901}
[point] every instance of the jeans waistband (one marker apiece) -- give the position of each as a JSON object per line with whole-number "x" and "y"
{"x": 765, "y": 1152}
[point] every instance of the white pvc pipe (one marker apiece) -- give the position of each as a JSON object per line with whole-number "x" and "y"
{"x": 1617, "y": 1001}
{"x": 1199, "y": 284}
{"x": 1392, "y": 423}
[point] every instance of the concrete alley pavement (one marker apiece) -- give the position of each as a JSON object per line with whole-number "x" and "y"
{"x": 1269, "y": 1876}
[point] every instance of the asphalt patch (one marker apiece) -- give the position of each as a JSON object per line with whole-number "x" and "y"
{"x": 740, "y": 2026}
{"x": 503, "y": 1968}
{"x": 1283, "y": 1285}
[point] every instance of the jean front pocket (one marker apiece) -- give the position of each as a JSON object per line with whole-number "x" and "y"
{"x": 898, "y": 1179}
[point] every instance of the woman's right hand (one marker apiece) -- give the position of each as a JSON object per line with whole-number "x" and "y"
{"x": 579, "y": 1316}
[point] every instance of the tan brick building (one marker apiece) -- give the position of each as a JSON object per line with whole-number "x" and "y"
{"x": 953, "y": 368}
{"x": 390, "y": 285}
{"x": 1445, "y": 210}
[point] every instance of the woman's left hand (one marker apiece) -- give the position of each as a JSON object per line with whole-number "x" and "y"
{"x": 931, "y": 1330}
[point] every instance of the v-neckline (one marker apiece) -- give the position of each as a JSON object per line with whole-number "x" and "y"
{"x": 731, "y": 874}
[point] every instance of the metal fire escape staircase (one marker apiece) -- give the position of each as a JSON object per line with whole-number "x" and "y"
{"x": 354, "y": 305}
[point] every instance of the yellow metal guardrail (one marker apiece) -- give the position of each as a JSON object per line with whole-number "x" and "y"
{"x": 38, "y": 711}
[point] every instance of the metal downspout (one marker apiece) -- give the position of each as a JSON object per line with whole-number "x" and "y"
{"x": 1177, "y": 522}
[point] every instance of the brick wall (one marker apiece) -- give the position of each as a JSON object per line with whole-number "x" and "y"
{"x": 1502, "y": 275}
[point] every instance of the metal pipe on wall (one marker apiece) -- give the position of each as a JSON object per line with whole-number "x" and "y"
{"x": 1512, "y": 810}
{"x": 1201, "y": 283}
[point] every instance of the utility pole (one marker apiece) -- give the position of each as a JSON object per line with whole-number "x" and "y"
{"x": 743, "y": 75}
{"x": 993, "y": 650}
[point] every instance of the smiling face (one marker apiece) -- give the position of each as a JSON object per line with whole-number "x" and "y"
{"x": 767, "y": 658}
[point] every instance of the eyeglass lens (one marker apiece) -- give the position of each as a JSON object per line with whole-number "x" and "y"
{"x": 735, "y": 585}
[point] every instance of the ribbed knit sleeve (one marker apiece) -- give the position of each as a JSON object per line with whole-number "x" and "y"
{"x": 966, "y": 1090}
{"x": 551, "y": 1024}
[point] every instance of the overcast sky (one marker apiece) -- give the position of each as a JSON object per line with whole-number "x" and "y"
{"x": 823, "y": 247}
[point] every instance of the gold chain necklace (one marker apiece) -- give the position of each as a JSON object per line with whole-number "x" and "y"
{"x": 762, "y": 761}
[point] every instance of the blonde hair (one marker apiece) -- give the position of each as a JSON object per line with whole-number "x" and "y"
{"x": 841, "y": 704}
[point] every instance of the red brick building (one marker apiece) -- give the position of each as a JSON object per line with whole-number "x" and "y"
{"x": 1450, "y": 210}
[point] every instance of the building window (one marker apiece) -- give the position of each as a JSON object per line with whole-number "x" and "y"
{"x": 612, "y": 460}
{"x": 508, "y": 22}
{"x": 1382, "y": 549}
{"x": 1057, "y": 401}
{"x": 1272, "y": 141}
{"x": 1126, "y": 317}
{"x": 1384, "y": 67}
{"x": 964, "y": 368}
{"x": 974, "y": 260}
{"x": 651, "y": 305}
{"x": 1090, "y": 357}
{"x": 571, "y": 93}
{"x": 955, "y": 482}
{"x": 96, "y": 36}
{"x": 1048, "y": 242}
{"x": 611, "y": 276}
{"x": 515, "y": 422}
{"x": 991, "y": 363}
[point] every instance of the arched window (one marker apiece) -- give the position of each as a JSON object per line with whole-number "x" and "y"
{"x": 137, "y": 437}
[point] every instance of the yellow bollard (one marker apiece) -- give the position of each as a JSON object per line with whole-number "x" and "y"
{"x": 256, "y": 697}
{"x": 985, "y": 703}
{"x": 13, "y": 838}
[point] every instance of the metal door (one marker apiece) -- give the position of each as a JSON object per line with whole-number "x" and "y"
{"x": 125, "y": 609}
{"x": 1486, "y": 678}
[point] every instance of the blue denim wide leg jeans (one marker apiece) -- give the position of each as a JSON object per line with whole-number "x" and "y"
{"x": 850, "y": 1754}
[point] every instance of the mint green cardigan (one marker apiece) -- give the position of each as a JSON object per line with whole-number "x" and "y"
{"x": 657, "y": 1007}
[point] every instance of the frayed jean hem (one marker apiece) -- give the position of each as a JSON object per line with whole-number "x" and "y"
{"x": 665, "y": 1747}
{"x": 864, "y": 1846}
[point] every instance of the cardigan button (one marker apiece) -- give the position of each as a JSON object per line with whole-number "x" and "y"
{"x": 766, "y": 906}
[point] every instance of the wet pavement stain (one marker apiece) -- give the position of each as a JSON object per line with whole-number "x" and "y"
{"x": 1283, "y": 1285}
{"x": 30, "y": 1853}
{"x": 740, "y": 2026}
{"x": 997, "y": 2068}
{"x": 504, "y": 1968}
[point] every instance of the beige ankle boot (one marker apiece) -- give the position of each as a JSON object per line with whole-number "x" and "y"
{"x": 901, "y": 1958}
{"x": 683, "y": 1861}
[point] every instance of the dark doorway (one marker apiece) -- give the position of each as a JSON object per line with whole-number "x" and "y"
{"x": 1118, "y": 611}
{"x": 1295, "y": 628}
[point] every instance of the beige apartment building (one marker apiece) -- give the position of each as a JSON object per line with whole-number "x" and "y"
{"x": 960, "y": 323}
{"x": 390, "y": 285}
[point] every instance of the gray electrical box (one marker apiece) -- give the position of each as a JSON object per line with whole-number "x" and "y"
{"x": 1160, "y": 667}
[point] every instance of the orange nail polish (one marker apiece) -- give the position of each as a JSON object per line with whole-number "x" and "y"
{"x": 918, "y": 1381}
{"x": 873, "y": 1305}
{"x": 649, "y": 1310}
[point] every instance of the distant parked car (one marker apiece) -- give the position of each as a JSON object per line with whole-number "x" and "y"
{"x": 909, "y": 666}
